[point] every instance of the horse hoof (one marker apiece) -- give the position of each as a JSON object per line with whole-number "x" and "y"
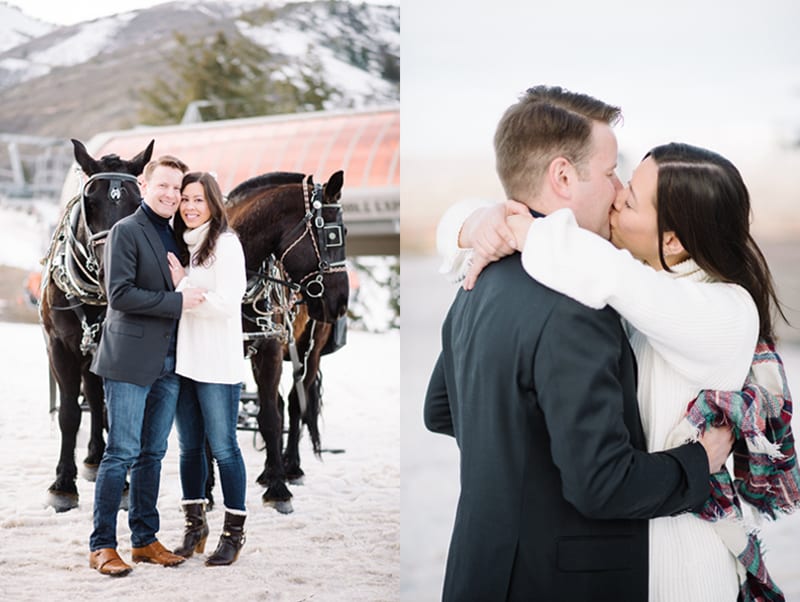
{"x": 294, "y": 474}
{"x": 263, "y": 478}
{"x": 279, "y": 497}
{"x": 282, "y": 506}
{"x": 89, "y": 472}
{"x": 62, "y": 502}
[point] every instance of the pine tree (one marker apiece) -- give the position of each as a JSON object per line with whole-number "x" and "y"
{"x": 234, "y": 76}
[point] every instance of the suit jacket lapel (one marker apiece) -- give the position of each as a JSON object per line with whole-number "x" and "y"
{"x": 155, "y": 243}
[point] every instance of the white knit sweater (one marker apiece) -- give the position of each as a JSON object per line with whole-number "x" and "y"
{"x": 210, "y": 335}
{"x": 688, "y": 334}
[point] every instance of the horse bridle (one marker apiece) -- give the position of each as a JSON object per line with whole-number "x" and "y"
{"x": 95, "y": 239}
{"x": 75, "y": 267}
{"x": 272, "y": 287}
{"x": 326, "y": 237}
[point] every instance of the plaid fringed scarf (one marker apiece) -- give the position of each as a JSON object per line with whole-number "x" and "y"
{"x": 766, "y": 473}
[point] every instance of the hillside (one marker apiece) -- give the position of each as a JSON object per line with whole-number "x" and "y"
{"x": 75, "y": 81}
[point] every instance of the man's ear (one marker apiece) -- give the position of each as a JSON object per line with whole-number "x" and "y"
{"x": 672, "y": 245}
{"x": 561, "y": 173}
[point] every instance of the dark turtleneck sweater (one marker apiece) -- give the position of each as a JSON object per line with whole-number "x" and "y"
{"x": 163, "y": 228}
{"x": 167, "y": 237}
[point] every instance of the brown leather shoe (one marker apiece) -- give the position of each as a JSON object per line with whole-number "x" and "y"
{"x": 157, "y": 554}
{"x": 108, "y": 562}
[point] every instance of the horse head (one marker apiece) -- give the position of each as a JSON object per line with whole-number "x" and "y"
{"x": 299, "y": 222}
{"x": 320, "y": 269}
{"x": 110, "y": 193}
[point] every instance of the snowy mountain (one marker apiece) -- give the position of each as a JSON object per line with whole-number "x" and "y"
{"x": 349, "y": 42}
{"x": 17, "y": 28}
{"x": 80, "y": 79}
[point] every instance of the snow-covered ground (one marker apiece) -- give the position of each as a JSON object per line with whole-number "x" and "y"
{"x": 341, "y": 543}
{"x": 26, "y": 233}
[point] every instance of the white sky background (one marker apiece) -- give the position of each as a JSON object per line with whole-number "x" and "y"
{"x": 724, "y": 74}
{"x": 68, "y": 12}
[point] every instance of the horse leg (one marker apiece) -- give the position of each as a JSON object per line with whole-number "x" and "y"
{"x": 63, "y": 493}
{"x": 312, "y": 387}
{"x": 93, "y": 393}
{"x": 267, "y": 371}
{"x": 291, "y": 456}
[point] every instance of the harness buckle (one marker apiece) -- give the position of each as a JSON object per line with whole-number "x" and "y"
{"x": 312, "y": 293}
{"x": 89, "y": 333}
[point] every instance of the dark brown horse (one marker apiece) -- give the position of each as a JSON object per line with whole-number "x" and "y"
{"x": 293, "y": 238}
{"x": 73, "y": 304}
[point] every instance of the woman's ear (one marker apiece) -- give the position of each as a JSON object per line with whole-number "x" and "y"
{"x": 672, "y": 245}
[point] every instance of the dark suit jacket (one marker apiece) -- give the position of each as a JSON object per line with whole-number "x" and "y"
{"x": 143, "y": 307}
{"x": 540, "y": 394}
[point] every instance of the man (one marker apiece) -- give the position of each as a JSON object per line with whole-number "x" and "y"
{"x": 136, "y": 358}
{"x": 540, "y": 394}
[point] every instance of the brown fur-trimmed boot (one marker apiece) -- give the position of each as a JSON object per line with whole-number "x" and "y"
{"x": 231, "y": 540}
{"x": 196, "y": 528}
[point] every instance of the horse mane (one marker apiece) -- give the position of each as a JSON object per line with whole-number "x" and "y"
{"x": 268, "y": 180}
{"x": 113, "y": 163}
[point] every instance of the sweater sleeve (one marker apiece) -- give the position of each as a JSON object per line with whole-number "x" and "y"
{"x": 229, "y": 275}
{"x": 455, "y": 259}
{"x": 706, "y": 330}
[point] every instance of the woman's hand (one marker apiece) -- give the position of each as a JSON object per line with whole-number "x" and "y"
{"x": 175, "y": 269}
{"x": 486, "y": 233}
{"x": 519, "y": 226}
{"x": 515, "y": 229}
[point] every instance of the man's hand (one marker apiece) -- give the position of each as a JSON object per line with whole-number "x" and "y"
{"x": 490, "y": 237}
{"x": 717, "y": 441}
{"x": 192, "y": 297}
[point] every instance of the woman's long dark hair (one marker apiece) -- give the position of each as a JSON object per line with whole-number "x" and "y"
{"x": 701, "y": 197}
{"x": 219, "y": 221}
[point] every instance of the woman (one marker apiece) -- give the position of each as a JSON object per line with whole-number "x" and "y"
{"x": 693, "y": 318}
{"x": 209, "y": 361}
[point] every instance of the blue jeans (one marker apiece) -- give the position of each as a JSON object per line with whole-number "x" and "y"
{"x": 210, "y": 411}
{"x": 139, "y": 421}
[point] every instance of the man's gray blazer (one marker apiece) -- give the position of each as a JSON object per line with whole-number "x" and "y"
{"x": 143, "y": 307}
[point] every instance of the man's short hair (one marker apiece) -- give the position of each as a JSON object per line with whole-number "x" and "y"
{"x": 165, "y": 160}
{"x": 546, "y": 122}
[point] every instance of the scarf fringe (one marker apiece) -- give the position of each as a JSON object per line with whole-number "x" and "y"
{"x": 759, "y": 444}
{"x": 766, "y": 470}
